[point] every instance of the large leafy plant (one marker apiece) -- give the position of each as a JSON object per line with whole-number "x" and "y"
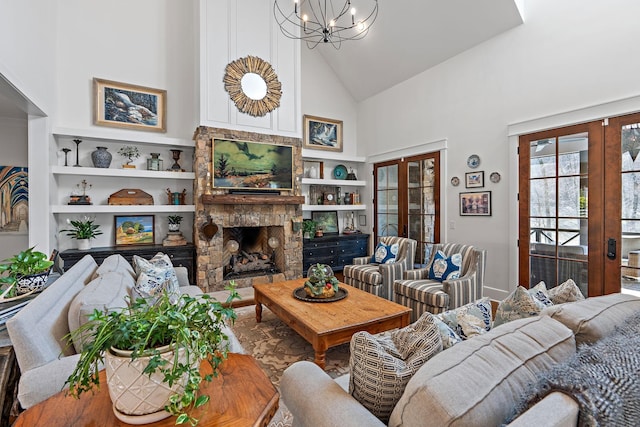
{"x": 193, "y": 324}
{"x": 82, "y": 229}
{"x": 25, "y": 263}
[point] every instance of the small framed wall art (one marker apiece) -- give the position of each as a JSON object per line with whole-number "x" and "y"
{"x": 135, "y": 230}
{"x": 322, "y": 134}
{"x": 327, "y": 220}
{"x": 129, "y": 106}
{"x": 474, "y": 179}
{"x": 475, "y": 203}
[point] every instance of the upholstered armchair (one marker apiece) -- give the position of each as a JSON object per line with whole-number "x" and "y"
{"x": 417, "y": 291}
{"x": 378, "y": 278}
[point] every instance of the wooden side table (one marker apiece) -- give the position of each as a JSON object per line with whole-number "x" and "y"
{"x": 241, "y": 395}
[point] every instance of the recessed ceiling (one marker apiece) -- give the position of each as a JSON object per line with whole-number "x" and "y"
{"x": 411, "y": 36}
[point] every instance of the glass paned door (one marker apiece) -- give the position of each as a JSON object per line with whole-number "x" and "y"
{"x": 560, "y": 235}
{"x": 407, "y": 197}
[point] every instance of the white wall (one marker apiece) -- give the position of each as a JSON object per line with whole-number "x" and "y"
{"x": 150, "y": 43}
{"x": 569, "y": 54}
{"x": 13, "y": 145}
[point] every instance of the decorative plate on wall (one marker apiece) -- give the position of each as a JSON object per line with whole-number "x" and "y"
{"x": 495, "y": 177}
{"x": 473, "y": 161}
{"x": 340, "y": 172}
{"x": 455, "y": 181}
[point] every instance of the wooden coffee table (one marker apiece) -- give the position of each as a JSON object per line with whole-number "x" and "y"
{"x": 327, "y": 324}
{"x": 241, "y": 395}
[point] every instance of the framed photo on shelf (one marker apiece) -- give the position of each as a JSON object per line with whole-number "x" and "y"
{"x": 475, "y": 203}
{"x": 313, "y": 169}
{"x": 474, "y": 179}
{"x": 328, "y": 220}
{"x": 124, "y": 105}
{"x": 322, "y": 134}
{"x": 134, "y": 230}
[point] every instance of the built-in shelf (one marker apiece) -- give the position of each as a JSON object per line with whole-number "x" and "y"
{"x": 119, "y": 136}
{"x": 334, "y": 207}
{"x": 121, "y": 173}
{"x": 117, "y": 209}
{"x": 336, "y": 182}
{"x": 251, "y": 199}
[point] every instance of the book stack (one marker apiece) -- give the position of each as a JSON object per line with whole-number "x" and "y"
{"x": 11, "y": 308}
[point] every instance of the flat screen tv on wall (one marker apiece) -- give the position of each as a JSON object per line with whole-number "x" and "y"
{"x": 252, "y": 165}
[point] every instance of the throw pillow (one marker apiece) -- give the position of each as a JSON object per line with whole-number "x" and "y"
{"x": 443, "y": 268}
{"x": 470, "y": 319}
{"x": 382, "y": 365}
{"x": 566, "y": 292}
{"x": 448, "y": 335}
{"x": 385, "y": 254}
{"x": 518, "y": 305}
{"x": 154, "y": 276}
{"x": 540, "y": 293}
{"x": 104, "y": 293}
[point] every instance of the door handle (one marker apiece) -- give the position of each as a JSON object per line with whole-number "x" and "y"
{"x": 611, "y": 248}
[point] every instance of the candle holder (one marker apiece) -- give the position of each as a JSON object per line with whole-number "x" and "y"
{"x": 77, "y": 141}
{"x": 176, "y": 156}
{"x": 66, "y": 153}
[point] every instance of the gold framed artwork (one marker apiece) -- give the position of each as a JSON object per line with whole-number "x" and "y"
{"x": 322, "y": 134}
{"x": 128, "y": 106}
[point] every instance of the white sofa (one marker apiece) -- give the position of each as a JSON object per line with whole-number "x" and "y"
{"x": 37, "y": 332}
{"x": 476, "y": 382}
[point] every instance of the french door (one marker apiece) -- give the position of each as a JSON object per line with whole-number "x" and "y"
{"x": 407, "y": 200}
{"x": 579, "y": 206}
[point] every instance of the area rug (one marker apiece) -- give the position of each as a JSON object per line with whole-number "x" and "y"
{"x": 276, "y": 346}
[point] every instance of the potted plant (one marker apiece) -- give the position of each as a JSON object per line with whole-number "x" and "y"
{"x": 309, "y": 228}
{"x": 174, "y": 222}
{"x": 160, "y": 342}
{"x": 131, "y": 153}
{"x": 83, "y": 230}
{"x": 27, "y": 272}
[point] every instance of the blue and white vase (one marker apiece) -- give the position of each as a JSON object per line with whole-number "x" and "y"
{"x": 101, "y": 158}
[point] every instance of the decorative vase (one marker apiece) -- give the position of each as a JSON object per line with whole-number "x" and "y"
{"x": 140, "y": 398}
{"x": 174, "y": 227}
{"x": 32, "y": 283}
{"x": 101, "y": 157}
{"x": 84, "y": 244}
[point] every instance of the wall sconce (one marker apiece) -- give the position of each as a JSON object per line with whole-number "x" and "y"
{"x": 296, "y": 225}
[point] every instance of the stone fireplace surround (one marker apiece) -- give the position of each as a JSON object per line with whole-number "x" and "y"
{"x": 238, "y": 211}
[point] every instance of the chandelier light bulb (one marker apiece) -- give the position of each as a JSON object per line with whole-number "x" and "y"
{"x": 360, "y": 26}
{"x": 332, "y": 23}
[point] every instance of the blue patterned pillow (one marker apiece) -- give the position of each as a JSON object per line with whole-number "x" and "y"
{"x": 470, "y": 319}
{"x": 385, "y": 254}
{"x": 519, "y": 304}
{"x": 154, "y": 276}
{"x": 443, "y": 268}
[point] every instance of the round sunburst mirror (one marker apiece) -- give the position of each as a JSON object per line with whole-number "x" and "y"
{"x": 253, "y": 85}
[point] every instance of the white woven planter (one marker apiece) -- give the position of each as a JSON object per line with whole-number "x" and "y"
{"x": 138, "y": 398}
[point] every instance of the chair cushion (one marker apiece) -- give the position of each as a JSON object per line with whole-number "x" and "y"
{"x": 518, "y": 305}
{"x": 154, "y": 276}
{"x": 382, "y": 365}
{"x": 429, "y": 292}
{"x": 367, "y": 273}
{"x": 385, "y": 254}
{"x": 445, "y": 268}
{"x": 470, "y": 319}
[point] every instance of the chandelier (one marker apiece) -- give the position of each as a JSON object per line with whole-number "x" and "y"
{"x": 318, "y": 21}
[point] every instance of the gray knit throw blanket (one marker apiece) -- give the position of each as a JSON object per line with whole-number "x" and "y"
{"x": 604, "y": 378}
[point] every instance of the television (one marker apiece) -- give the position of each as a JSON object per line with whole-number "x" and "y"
{"x": 246, "y": 165}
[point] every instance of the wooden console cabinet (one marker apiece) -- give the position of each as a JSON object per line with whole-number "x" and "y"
{"x": 181, "y": 256}
{"x": 335, "y": 251}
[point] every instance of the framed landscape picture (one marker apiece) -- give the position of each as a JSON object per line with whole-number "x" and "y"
{"x": 134, "y": 230}
{"x": 327, "y": 220}
{"x": 322, "y": 134}
{"x": 474, "y": 179}
{"x": 129, "y": 106}
{"x": 252, "y": 165}
{"x": 475, "y": 203}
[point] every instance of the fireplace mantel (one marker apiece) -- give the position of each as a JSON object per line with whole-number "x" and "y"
{"x": 251, "y": 199}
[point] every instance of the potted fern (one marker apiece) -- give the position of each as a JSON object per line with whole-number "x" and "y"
{"x": 160, "y": 342}
{"x": 83, "y": 230}
{"x": 27, "y": 272}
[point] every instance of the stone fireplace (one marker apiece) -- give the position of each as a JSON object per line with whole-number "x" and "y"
{"x": 261, "y": 225}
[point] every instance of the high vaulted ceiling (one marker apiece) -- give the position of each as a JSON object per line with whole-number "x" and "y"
{"x": 411, "y": 36}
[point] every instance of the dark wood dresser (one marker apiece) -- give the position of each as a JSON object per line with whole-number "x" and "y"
{"x": 335, "y": 251}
